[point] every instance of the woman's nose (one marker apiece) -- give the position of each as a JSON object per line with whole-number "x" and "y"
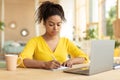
{"x": 55, "y": 27}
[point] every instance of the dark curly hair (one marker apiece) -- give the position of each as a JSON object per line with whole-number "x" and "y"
{"x": 47, "y": 9}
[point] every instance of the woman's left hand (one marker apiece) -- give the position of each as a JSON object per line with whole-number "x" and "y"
{"x": 73, "y": 61}
{"x": 68, "y": 63}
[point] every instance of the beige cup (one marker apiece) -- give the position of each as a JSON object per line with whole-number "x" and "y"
{"x": 117, "y": 60}
{"x": 11, "y": 62}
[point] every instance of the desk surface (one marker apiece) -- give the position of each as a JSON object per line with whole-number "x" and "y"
{"x": 40, "y": 74}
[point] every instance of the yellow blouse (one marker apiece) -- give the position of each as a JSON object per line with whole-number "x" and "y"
{"x": 117, "y": 52}
{"x": 37, "y": 49}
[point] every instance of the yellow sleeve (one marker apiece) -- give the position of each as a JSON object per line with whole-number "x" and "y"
{"x": 27, "y": 52}
{"x": 74, "y": 51}
{"x": 116, "y": 52}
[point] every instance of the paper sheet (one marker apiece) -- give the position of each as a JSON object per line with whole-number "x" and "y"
{"x": 61, "y": 68}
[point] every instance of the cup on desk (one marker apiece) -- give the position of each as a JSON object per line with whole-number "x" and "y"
{"x": 11, "y": 61}
{"x": 117, "y": 60}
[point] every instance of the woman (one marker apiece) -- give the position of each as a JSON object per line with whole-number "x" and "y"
{"x": 50, "y": 51}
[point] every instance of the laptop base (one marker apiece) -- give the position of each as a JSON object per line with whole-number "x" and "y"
{"x": 82, "y": 71}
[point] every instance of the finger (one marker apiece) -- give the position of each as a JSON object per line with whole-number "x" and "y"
{"x": 57, "y": 65}
{"x": 64, "y": 64}
{"x": 69, "y": 65}
{"x": 52, "y": 65}
{"x": 57, "y": 62}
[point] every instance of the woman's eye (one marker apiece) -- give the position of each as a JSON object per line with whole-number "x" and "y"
{"x": 59, "y": 25}
{"x": 50, "y": 24}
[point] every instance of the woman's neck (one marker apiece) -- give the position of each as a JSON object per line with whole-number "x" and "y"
{"x": 47, "y": 37}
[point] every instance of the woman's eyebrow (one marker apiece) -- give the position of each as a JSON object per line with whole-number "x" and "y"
{"x": 50, "y": 22}
{"x": 54, "y": 22}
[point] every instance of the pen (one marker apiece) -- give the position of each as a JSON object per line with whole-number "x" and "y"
{"x": 61, "y": 67}
{"x": 53, "y": 57}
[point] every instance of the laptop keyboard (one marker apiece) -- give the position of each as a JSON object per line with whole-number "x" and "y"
{"x": 85, "y": 70}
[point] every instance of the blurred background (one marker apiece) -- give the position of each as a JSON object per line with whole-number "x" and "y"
{"x": 86, "y": 20}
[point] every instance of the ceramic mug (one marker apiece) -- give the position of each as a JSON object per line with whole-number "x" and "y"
{"x": 11, "y": 61}
{"x": 117, "y": 60}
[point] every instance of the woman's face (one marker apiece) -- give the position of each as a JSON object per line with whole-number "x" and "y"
{"x": 53, "y": 25}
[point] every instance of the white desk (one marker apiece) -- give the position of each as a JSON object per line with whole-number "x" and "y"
{"x": 40, "y": 74}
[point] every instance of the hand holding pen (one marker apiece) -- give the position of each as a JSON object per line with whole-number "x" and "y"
{"x": 54, "y": 64}
{"x": 65, "y": 65}
{"x": 68, "y": 63}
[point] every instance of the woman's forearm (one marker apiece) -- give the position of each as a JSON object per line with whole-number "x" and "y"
{"x": 29, "y": 63}
{"x": 70, "y": 62}
{"x": 78, "y": 60}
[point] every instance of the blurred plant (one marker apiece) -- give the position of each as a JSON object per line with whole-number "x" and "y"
{"x": 117, "y": 44}
{"x": 2, "y": 25}
{"x": 91, "y": 34}
{"x": 111, "y": 17}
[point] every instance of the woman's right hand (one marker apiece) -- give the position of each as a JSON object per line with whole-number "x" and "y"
{"x": 52, "y": 64}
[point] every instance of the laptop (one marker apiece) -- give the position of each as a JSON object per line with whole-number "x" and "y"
{"x": 101, "y": 58}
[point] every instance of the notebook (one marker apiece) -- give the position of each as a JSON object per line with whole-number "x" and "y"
{"x": 116, "y": 64}
{"x": 101, "y": 58}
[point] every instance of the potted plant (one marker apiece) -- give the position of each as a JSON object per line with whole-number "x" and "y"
{"x": 90, "y": 34}
{"x": 1, "y": 25}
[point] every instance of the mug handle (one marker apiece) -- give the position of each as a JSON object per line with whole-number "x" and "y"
{"x": 19, "y": 58}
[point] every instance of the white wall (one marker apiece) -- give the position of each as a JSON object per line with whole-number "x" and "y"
{"x": 67, "y": 27}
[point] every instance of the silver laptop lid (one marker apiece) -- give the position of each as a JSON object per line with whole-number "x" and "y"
{"x": 101, "y": 56}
